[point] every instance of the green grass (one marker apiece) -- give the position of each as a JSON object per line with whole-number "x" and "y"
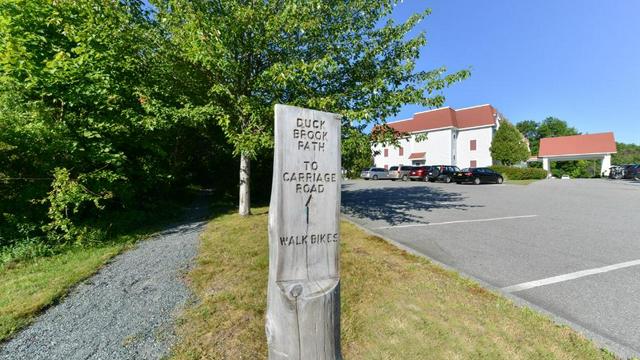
{"x": 521, "y": 182}
{"x": 29, "y": 286}
{"x": 32, "y": 286}
{"x": 394, "y": 305}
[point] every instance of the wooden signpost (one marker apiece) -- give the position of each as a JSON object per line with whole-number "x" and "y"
{"x": 303, "y": 300}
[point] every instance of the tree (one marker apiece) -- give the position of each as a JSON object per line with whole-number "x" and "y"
{"x": 529, "y": 128}
{"x": 91, "y": 115}
{"x": 356, "y": 149}
{"x": 69, "y": 102}
{"x": 326, "y": 55}
{"x": 508, "y": 145}
{"x": 549, "y": 127}
{"x": 554, "y": 127}
{"x": 627, "y": 154}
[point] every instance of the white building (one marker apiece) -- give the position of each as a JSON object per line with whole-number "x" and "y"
{"x": 454, "y": 137}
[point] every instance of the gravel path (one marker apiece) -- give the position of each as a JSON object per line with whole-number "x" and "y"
{"x": 126, "y": 310}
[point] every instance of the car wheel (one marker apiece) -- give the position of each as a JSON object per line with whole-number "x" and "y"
{"x": 476, "y": 181}
{"x": 447, "y": 179}
{"x": 405, "y": 178}
{"x": 375, "y": 177}
{"x": 500, "y": 180}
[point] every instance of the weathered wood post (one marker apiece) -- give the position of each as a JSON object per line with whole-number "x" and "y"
{"x": 303, "y": 300}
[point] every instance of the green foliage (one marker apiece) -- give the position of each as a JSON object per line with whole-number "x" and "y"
{"x": 356, "y": 149}
{"x": 326, "y": 55}
{"x": 92, "y": 118}
{"x": 627, "y": 154}
{"x": 65, "y": 200}
{"x": 508, "y": 145}
{"x": 549, "y": 127}
{"x": 576, "y": 169}
{"x": 107, "y": 106}
{"x": 349, "y": 58}
{"x": 554, "y": 127}
{"x": 514, "y": 173}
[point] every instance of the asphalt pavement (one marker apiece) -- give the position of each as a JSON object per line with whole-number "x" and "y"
{"x": 570, "y": 248}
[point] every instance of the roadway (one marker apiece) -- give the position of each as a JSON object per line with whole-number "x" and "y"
{"x": 570, "y": 248}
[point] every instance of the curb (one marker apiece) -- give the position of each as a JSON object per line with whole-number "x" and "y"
{"x": 603, "y": 342}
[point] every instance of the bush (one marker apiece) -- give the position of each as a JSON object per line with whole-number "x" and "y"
{"x": 514, "y": 173}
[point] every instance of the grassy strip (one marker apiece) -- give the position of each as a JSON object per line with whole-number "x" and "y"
{"x": 29, "y": 286}
{"x": 394, "y": 305}
{"x": 32, "y": 286}
{"x": 521, "y": 182}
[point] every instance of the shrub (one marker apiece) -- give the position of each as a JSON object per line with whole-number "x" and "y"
{"x": 514, "y": 173}
{"x": 508, "y": 145}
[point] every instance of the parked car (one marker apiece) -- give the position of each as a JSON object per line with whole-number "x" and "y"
{"x": 419, "y": 173}
{"x": 400, "y": 172}
{"x": 634, "y": 172}
{"x": 629, "y": 171}
{"x": 616, "y": 172}
{"x": 442, "y": 173}
{"x": 374, "y": 173}
{"x": 478, "y": 176}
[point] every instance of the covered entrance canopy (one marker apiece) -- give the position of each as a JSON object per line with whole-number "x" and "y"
{"x": 418, "y": 158}
{"x": 578, "y": 147}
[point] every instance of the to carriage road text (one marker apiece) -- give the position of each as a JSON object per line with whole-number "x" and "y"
{"x": 310, "y": 135}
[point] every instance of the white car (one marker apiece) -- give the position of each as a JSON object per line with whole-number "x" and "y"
{"x": 565, "y": 177}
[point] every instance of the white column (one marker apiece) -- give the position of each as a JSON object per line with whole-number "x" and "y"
{"x": 606, "y": 164}
{"x": 546, "y": 164}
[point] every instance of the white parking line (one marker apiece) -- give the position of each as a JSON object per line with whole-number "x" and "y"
{"x": 570, "y": 276}
{"x": 457, "y": 222}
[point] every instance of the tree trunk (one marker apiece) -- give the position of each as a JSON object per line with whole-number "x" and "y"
{"x": 244, "y": 207}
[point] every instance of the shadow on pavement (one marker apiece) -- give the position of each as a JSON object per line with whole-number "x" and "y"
{"x": 399, "y": 205}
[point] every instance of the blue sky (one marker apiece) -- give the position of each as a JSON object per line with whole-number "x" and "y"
{"x": 578, "y": 60}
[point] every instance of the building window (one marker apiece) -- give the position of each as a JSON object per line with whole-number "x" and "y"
{"x": 386, "y": 152}
{"x": 386, "y": 167}
{"x": 473, "y": 145}
{"x": 473, "y": 164}
{"x": 400, "y": 151}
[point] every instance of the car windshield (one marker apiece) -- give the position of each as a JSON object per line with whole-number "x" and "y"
{"x": 393, "y": 168}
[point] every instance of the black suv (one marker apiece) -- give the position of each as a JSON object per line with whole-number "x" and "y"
{"x": 442, "y": 173}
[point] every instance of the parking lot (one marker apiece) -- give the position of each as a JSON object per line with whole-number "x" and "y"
{"x": 569, "y": 247}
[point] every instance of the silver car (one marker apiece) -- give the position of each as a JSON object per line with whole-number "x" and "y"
{"x": 400, "y": 172}
{"x": 374, "y": 173}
